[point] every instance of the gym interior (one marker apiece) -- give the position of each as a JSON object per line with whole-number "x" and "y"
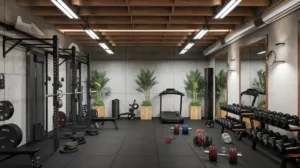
{"x": 149, "y": 83}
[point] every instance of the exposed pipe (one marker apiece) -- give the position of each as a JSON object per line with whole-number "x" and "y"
{"x": 274, "y": 14}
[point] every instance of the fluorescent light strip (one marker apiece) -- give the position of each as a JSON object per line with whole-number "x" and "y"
{"x": 227, "y": 9}
{"x": 109, "y": 52}
{"x": 183, "y": 51}
{"x": 200, "y": 34}
{"x": 104, "y": 46}
{"x": 260, "y": 53}
{"x": 92, "y": 34}
{"x": 105, "y": 30}
{"x": 67, "y": 8}
{"x": 188, "y": 46}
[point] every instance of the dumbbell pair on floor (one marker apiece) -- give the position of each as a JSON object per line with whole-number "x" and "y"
{"x": 201, "y": 139}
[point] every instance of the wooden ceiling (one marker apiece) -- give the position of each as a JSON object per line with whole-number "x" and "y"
{"x": 103, "y": 15}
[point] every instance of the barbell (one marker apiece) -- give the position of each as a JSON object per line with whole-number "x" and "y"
{"x": 233, "y": 154}
{"x": 185, "y": 129}
{"x": 60, "y": 93}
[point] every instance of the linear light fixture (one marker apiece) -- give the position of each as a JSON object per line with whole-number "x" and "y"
{"x": 143, "y": 31}
{"x": 109, "y": 52}
{"x": 106, "y": 48}
{"x": 227, "y": 9}
{"x": 201, "y": 33}
{"x": 187, "y": 47}
{"x": 61, "y": 5}
{"x": 92, "y": 34}
{"x": 260, "y": 53}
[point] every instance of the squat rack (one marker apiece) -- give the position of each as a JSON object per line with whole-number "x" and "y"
{"x": 42, "y": 43}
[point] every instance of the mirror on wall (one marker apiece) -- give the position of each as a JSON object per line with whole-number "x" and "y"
{"x": 253, "y": 74}
{"x": 221, "y": 69}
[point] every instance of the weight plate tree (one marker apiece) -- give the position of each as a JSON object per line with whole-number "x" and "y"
{"x": 10, "y": 136}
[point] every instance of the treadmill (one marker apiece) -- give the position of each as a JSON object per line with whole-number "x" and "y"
{"x": 252, "y": 92}
{"x": 171, "y": 116}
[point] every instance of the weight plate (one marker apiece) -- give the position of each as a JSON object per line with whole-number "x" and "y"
{"x": 10, "y": 136}
{"x": 204, "y": 140}
{"x": 63, "y": 151}
{"x": 212, "y": 153}
{"x": 6, "y": 110}
{"x": 91, "y": 132}
{"x": 62, "y": 119}
{"x": 185, "y": 129}
{"x": 232, "y": 156}
{"x": 71, "y": 146}
{"x": 176, "y": 129}
{"x": 210, "y": 124}
{"x": 199, "y": 140}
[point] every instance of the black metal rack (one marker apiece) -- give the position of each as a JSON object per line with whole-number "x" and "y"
{"x": 49, "y": 46}
{"x": 242, "y": 115}
{"x": 284, "y": 157}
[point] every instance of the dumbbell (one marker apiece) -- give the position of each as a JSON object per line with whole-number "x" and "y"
{"x": 169, "y": 139}
{"x": 213, "y": 155}
{"x": 287, "y": 146}
{"x": 277, "y": 119}
{"x": 237, "y": 124}
{"x": 265, "y": 137}
{"x": 265, "y": 116}
{"x": 289, "y": 120}
{"x": 272, "y": 140}
{"x": 260, "y": 132}
{"x": 185, "y": 129}
{"x": 271, "y": 117}
{"x": 202, "y": 140}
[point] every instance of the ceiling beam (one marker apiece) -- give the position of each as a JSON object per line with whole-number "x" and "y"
{"x": 143, "y": 20}
{"x": 93, "y": 3}
{"x": 142, "y": 26}
{"x": 142, "y": 11}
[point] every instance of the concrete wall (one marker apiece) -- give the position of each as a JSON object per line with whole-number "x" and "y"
{"x": 169, "y": 74}
{"x": 14, "y": 65}
{"x": 282, "y": 80}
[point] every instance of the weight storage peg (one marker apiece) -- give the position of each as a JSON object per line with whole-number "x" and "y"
{"x": 213, "y": 155}
{"x": 185, "y": 129}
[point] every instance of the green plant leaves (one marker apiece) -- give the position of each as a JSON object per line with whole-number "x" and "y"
{"x": 194, "y": 86}
{"x": 145, "y": 81}
{"x": 98, "y": 82}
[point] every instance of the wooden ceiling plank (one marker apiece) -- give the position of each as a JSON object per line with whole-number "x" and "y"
{"x": 255, "y": 3}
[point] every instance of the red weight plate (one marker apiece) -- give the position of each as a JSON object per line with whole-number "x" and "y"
{"x": 212, "y": 153}
{"x": 204, "y": 140}
{"x": 232, "y": 155}
{"x": 168, "y": 140}
{"x": 199, "y": 140}
{"x": 62, "y": 119}
{"x": 176, "y": 129}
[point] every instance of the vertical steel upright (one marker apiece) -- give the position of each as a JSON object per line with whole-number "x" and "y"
{"x": 88, "y": 90}
{"x": 79, "y": 90}
{"x": 55, "y": 91}
{"x": 74, "y": 87}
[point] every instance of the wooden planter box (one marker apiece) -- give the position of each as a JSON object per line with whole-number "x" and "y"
{"x": 223, "y": 113}
{"x": 195, "y": 112}
{"x": 146, "y": 113}
{"x": 100, "y": 110}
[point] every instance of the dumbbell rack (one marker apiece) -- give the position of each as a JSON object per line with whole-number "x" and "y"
{"x": 284, "y": 157}
{"x": 242, "y": 115}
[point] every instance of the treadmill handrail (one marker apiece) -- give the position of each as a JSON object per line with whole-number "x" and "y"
{"x": 171, "y": 92}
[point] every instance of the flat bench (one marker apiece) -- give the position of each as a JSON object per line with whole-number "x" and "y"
{"x": 289, "y": 156}
{"x": 22, "y": 151}
{"x": 104, "y": 119}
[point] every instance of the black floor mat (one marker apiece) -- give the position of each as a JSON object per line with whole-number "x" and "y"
{"x": 141, "y": 144}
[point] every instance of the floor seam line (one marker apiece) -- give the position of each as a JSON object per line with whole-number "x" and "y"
{"x": 156, "y": 145}
{"x": 120, "y": 146}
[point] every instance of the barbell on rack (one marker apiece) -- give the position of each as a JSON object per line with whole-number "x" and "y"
{"x": 60, "y": 93}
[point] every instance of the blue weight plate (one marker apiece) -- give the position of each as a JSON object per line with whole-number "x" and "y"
{"x": 185, "y": 129}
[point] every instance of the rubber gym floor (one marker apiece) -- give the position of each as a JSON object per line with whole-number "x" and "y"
{"x": 141, "y": 144}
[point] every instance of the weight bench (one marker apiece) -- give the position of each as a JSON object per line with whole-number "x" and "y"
{"x": 103, "y": 119}
{"x": 22, "y": 151}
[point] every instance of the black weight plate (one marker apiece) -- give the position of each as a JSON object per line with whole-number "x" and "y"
{"x": 10, "y": 136}
{"x": 71, "y": 146}
{"x": 6, "y": 110}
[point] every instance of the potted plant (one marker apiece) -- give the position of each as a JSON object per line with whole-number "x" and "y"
{"x": 98, "y": 83}
{"x": 194, "y": 87}
{"x": 259, "y": 84}
{"x": 145, "y": 81}
{"x": 220, "y": 83}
